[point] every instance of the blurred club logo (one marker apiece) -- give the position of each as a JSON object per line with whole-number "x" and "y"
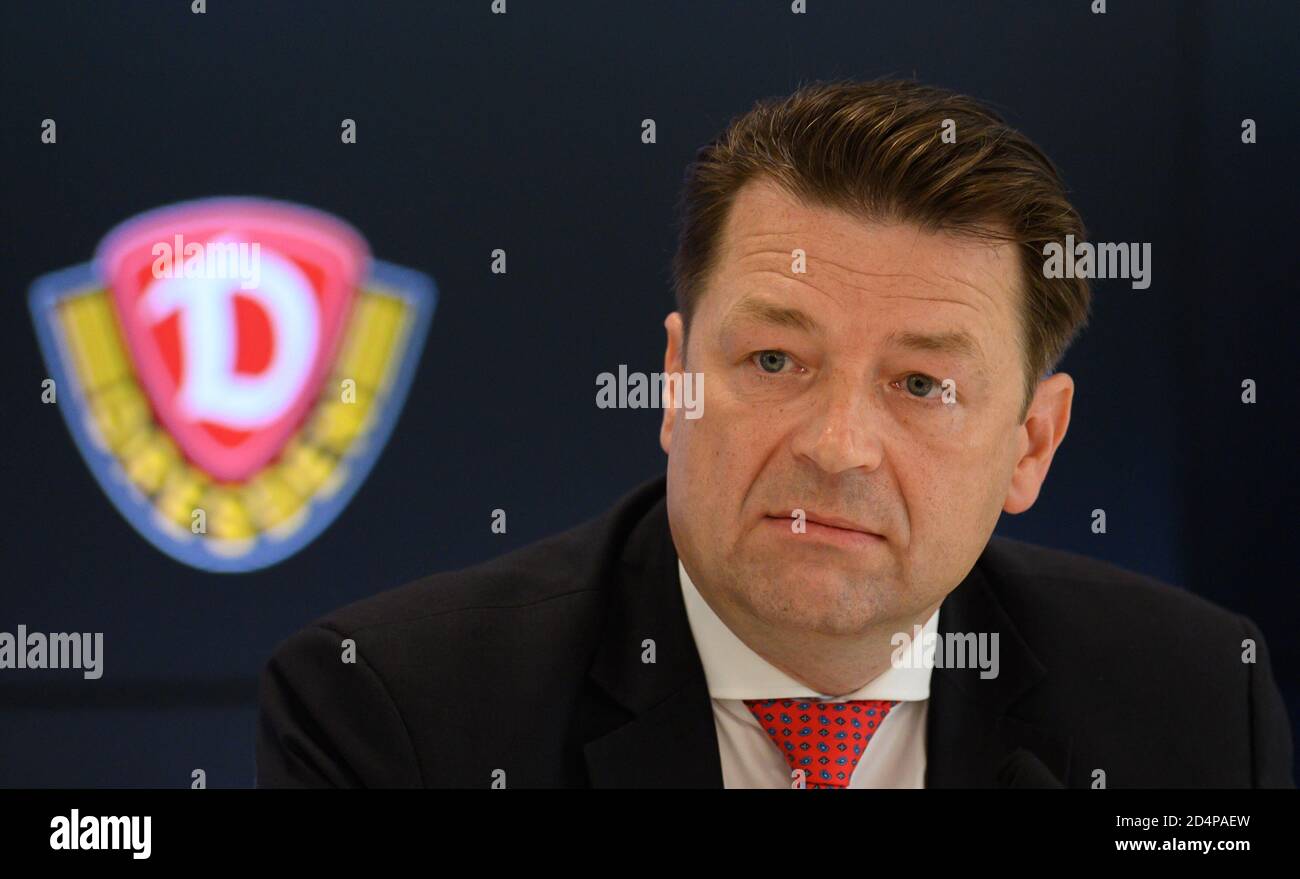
{"x": 231, "y": 368}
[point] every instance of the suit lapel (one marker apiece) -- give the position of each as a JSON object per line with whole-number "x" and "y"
{"x": 669, "y": 739}
{"x": 973, "y": 727}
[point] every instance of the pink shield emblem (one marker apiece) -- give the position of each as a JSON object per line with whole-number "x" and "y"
{"x": 233, "y": 311}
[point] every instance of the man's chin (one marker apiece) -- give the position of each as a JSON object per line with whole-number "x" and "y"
{"x": 829, "y": 574}
{"x": 830, "y": 601}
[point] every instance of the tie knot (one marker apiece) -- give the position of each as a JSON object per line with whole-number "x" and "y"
{"x": 824, "y": 739}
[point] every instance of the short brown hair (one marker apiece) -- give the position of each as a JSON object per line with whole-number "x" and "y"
{"x": 874, "y": 150}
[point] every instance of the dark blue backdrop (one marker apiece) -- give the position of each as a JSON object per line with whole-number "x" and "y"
{"x": 522, "y": 132}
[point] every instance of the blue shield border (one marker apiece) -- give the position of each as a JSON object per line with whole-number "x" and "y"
{"x": 417, "y": 290}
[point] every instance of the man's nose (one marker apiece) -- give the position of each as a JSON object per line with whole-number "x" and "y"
{"x": 843, "y": 432}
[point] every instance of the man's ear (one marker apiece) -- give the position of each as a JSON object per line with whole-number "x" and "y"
{"x": 674, "y": 356}
{"x": 1045, "y": 424}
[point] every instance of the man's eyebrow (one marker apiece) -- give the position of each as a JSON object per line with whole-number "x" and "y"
{"x": 957, "y": 342}
{"x": 766, "y": 312}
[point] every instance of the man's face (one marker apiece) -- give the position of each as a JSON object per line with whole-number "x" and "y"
{"x": 824, "y": 392}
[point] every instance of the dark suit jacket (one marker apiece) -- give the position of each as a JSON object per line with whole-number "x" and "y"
{"x": 531, "y": 665}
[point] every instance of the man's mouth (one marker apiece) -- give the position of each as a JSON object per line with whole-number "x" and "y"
{"x": 827, "y": 526}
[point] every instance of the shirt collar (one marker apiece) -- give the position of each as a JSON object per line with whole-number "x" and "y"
{"x": 734, "y": 671}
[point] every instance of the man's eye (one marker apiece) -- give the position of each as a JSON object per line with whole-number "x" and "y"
{"x": 920, "y": 385}
{"x": 771, "y": 361}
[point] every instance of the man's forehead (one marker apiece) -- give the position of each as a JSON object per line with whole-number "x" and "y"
{"x": 775, "y": 242}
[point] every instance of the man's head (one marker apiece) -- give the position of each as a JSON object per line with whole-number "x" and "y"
{"x": 859, "y": 280}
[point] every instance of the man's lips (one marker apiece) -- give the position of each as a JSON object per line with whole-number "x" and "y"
{"x": 836, "y": 528}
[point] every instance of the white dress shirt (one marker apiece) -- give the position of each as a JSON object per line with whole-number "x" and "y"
{"x": 895, "y": 757}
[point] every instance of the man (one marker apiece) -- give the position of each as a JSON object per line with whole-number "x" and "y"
{"x": 860, "y": 282}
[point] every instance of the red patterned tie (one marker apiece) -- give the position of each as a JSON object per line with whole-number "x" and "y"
{"x": 824, "y": 739}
